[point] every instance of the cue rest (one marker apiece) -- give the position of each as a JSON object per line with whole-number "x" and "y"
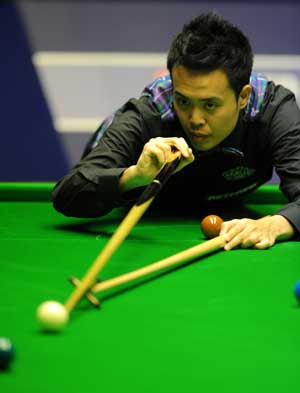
{"x": 90, "y": 297}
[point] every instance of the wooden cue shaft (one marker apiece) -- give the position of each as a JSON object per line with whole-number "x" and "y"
{"x": 181, "y": 257}
{"x": 122, "y": 231}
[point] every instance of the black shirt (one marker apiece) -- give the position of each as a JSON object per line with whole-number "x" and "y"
{"x": 241, "y": 163}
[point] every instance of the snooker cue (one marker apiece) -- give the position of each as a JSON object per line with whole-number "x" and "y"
{"x": 207, "y": 247}
{"x": 132, "y": 217}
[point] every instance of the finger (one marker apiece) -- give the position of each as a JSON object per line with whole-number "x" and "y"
{"x": 263, "y": 244}
{"x": 181, "y": 145}
{"x": 233, "y": 243}
{"x": 185, "y": 161}
{"x": 227, "y": 226}
{"x": 187, "y": 155}
{"x": 248, "y": 242}
{"x": 236, "y": 235}
{"x": 184, "y": 148}
{"x": 166, "y": 145}
{"x": 158, "y": 150}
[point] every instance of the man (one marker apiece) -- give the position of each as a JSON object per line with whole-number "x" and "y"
{"x": 230, "y": 125}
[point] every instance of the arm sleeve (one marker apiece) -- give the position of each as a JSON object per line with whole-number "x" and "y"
{"x": 285, "y": 146}
{"x": 91, "y": 189}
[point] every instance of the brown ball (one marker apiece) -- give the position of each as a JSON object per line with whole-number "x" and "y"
{"x": 211, "y": 225}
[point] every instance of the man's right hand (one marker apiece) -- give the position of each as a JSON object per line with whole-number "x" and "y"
{"x": 154, "y": 155}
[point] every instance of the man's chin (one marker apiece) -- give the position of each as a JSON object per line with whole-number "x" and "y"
{"x": 201, "y": 146}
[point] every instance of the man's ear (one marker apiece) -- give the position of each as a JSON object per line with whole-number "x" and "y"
{"x": 244, "y": 96}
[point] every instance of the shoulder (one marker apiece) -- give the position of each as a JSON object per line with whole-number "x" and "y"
{"x": 276, "y": 95}
{"x": 266, "y": 98}
{"x": 160, "y": 93}
{"x": 279, "y": 102}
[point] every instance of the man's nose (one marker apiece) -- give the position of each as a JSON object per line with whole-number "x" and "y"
{"x": 197, "y": 119}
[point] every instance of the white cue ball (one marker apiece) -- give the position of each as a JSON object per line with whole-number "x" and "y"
{"x": 52, "y": 316}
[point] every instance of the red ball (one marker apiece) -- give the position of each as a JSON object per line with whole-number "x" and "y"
{"x": 211, "y": 225}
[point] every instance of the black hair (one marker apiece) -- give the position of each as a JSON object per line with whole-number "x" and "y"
{"x": 208, "y": 43}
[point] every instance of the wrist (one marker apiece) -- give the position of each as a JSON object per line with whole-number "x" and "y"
{"x": 284, "y": 229}
{"x": 131, "y": 178}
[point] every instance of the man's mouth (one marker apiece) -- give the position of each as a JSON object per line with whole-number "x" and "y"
{"x": 198, "y": 135}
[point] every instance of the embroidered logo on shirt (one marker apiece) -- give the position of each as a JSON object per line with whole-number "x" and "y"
{"x": 240, "y": 172}
{"x": 232, "y": 194}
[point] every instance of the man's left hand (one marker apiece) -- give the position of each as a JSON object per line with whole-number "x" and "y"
{"x": 259, "y": 234}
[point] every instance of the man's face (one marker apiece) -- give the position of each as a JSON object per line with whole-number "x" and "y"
{"x": 206, "y": 106}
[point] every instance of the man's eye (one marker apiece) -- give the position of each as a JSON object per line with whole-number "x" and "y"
{"x": 181, "y": 101}
{"x": 210, "y": 106}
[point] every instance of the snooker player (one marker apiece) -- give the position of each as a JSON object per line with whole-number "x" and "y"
{"x": 231, "y": 125}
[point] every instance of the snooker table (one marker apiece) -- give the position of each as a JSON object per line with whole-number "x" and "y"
{"x": 226, "y": 323}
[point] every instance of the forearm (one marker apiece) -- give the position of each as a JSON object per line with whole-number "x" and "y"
{"x": 131, "y": 179}
{"x": 291, "y": 213}
{"x": 77, "y": 196}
